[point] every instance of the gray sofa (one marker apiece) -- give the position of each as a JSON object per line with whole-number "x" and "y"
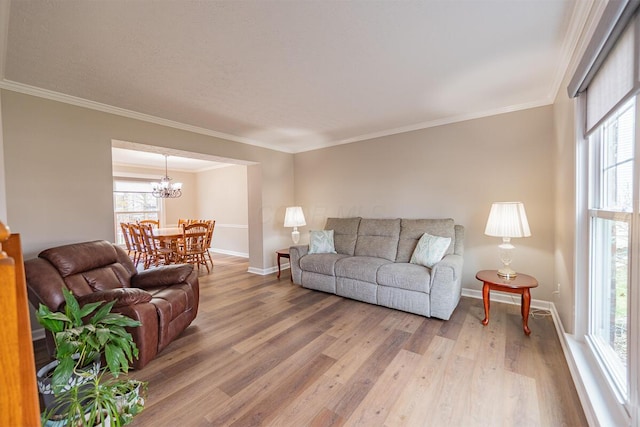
{"x": 372, "y": 265}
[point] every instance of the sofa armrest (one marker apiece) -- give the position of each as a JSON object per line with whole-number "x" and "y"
{"x": 162, "y": 276}
{"x": 122, "y": 297}
{"x": 446, "y": 286}
{"x": 295, "y": 253}
{"x": 145, "y": 335}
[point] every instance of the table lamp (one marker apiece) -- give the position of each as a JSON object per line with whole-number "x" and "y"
{"x": 294, "y": 217}
{"x": 507, "y": 220}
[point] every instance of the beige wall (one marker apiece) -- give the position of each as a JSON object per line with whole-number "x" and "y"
{"x": 59, "y": 174}
{"x": 565, "y": 197}
{"x": 456, "y": 171}
{"x": 222, "y": 195}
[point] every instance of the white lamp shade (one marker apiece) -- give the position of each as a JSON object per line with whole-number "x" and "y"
{"x": 294, "y": 217}
{"x": 507, "y": 219}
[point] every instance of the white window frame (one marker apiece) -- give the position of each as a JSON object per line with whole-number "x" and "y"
{"x": 160, "y": 211}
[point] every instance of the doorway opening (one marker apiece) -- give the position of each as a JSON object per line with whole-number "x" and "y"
{"x": 212, "y": 188}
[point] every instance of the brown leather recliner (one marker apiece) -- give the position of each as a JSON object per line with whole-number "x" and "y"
{"x": 164, "y": 299}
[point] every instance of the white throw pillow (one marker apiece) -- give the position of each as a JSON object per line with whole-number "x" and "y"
{"x": 321, "y": 242}
{"x": 430, "y": 250}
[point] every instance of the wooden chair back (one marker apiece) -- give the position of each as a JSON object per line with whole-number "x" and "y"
{"x": 192, "y": 246}
{"x": 126, "y": 234}
{"x": 155, "y": 254}
{"x": 153, "y": 222}
{"x": 137, "y": 242}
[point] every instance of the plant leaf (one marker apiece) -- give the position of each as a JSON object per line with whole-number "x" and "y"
{"x": 113, "y": 360}
{"x": 62, "y": 373}
{"x": 102, "y": 313}
{"x": 89, "y": 308}
{"x": 72, "y": 308}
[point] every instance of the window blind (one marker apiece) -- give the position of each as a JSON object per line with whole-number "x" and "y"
{"x": 613, "y": 21}
{"x": 614, "y": 80}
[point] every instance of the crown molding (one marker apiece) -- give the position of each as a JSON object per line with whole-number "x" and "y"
{"x": 433, "y": 123}
{"x": 592, "y": 18}
{"x": 578, "y": 22}
{"x": 105, "y": 108}
{"x": 81, "y": 102}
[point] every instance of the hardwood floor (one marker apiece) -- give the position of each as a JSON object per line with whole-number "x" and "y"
{"x": 264, "y": 352}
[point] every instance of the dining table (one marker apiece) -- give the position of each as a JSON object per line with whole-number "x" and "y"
{"x": 168, "y": 238}
{"x": 167, "y": 233}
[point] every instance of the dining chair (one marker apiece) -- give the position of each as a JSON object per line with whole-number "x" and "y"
{"x": 138, "y": 244}
{"x": 210, "y": 226}
{"x": 191, "y": 247}
{"x": 126, "y": 234}
{"x": 155, "y": 253}
{"x": 153, "y": 222}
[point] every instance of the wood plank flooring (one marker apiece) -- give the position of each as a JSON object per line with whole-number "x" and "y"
{"x": 264, "y": 352}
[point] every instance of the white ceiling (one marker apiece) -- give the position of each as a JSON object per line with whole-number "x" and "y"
{"x": 292, "y": 75}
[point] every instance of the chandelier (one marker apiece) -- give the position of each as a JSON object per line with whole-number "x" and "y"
{"x": 165, "y": 189}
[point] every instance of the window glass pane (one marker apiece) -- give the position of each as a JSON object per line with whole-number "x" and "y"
{"x": 616, "y": 180}
{"x": 609, "y": 291}
{"x": 132, "y": 202}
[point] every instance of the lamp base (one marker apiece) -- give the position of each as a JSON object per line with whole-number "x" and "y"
{"x": 507, "y": 273}
{"x": 295, "y": 235}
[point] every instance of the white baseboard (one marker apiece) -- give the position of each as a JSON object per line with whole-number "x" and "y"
{"x": 233, "y": 253}
{"x": 507, "y": 298}
{"x": 266, "y": 271}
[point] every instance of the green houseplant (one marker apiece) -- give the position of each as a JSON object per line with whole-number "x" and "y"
{"x": 83, "y": 335}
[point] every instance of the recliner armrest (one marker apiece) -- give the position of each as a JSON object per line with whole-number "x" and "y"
{"x": 295, "y": 253}
{"x": 162, "y": 276}
{"x": 450, "y": 266}
{"x": 122, "y": 297}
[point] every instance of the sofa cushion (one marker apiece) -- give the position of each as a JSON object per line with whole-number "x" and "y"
{"x": 102, "y": 279}
{"x": 360, "y": 268}
{"x": 413, "y": 229}
{"x": 357, "y": 289}
{"x": 411, "y": 277}
{"x": 378, "y": 238}
{"x": 430, "y": 250}
{"x": 321, "y": 263}
{"x": 345, "y": 233}
{"x": 321, "y": 242}
{"x": 78, "y": 257}
{"x": 319, "y": 282}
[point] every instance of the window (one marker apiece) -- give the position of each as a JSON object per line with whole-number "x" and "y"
{"x": 607, "y": 81}
{"x": 133, "y": 201}
{"x": 611, "y": 152}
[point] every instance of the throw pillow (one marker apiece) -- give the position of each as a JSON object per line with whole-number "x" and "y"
{"x": 430, "y": 250}
{"x": 321, "y": 242}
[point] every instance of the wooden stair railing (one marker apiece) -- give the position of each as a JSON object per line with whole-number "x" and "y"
{"x": 19, "y": 405}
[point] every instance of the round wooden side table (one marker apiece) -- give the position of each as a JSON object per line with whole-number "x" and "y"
{"x": 521, "y": 284}
{"x": 283, "y": 253}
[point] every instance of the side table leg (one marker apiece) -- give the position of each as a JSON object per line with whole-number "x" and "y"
{"x": 526, "y": 301}
{"x": 278, "y": 266}
{"x": 485, "y": 300}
